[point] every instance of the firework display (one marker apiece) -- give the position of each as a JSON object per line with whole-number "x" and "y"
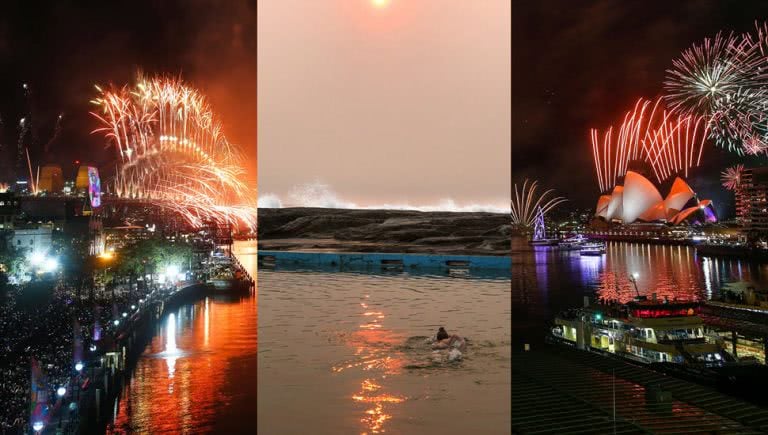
{"x": 731, "y": 177}
{"x": 172, "y": 152}
{"x": 724, "y": 80}
{"x": 671, "y": 143}
{"x": 527, "y": 202}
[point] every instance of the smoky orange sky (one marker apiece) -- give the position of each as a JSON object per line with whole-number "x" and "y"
{"x": 405, "y": 103}
{"x": 222, "y": 56}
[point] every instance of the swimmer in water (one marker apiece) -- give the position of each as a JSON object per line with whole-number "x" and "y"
{"x": 445, "y": 341}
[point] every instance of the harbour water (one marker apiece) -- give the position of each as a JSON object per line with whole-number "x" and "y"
{"x": 198, "y": 374}
{"x": 338, "y": 352}
{"x": 546, "y": 281}
{"x": 345, "y": 353}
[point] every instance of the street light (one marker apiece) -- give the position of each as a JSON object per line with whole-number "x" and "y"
{"x": 37, "y": 426}
{"x": 36, "y": 258}
{"x": 634, "y": 277}
{"x": 61, "y": 392}
{"x": 117, "y": 322}
{"x": 79, "y": 365}
{"x": 125, "y": 314}
{"x": 50, "y": 265}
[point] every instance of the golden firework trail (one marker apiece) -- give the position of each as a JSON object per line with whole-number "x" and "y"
{"x": 172, "y": 152}
{"x": 526, "y": 202}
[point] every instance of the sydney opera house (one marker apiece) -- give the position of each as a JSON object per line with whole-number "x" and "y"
{"x": 638, "y": 200}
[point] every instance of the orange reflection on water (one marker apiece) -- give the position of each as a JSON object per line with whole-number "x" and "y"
{"x": 668, "y": 271}
{"x": 373, "y": 349}
{"x": 178, "y": 384}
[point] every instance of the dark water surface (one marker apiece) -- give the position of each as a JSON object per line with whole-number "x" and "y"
{"x": 546, "y": 281}
{"x": 198, "y": 375}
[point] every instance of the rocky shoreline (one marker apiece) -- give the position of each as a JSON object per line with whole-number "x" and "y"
{"x": 345, "y": 230}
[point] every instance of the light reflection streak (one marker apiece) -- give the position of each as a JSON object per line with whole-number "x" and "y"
{"x": 206, "y": 323}
{"x": 171, "y": 351}
{"x": 199, "y": 385}
{"x": 707, "y": 266}
{"x": 372, "y": 345}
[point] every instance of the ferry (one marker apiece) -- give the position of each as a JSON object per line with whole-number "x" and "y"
{"x": 646, "y": 331}
{"x": 228, "y": 277}
{"x": 573, "y": 243}
{"x": 594, "y": 248}
{"x": 544, "y": 242}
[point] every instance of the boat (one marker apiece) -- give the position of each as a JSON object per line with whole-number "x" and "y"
{"x": 544, "y": 242}
{"x": 228, "y": 277}
{"x": 593, "y": 248}
{"x": 643, "y": 330}
{"x": 572, "y": 243}
{"x": 668, "y": 336}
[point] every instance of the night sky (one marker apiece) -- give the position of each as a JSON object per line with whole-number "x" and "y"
{"x": 583, "y": 64}
{"x": 61, "y": 49}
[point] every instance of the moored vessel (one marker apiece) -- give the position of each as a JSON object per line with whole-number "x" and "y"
{"x": 593, "y": 248}
{"x": 668, "y": 336}
{"x": 574, "y": 243}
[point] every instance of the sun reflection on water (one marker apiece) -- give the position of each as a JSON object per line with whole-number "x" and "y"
{"x": 373, "y": 353}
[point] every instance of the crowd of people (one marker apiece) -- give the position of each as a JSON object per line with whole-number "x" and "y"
{"x": 56, "y": 331}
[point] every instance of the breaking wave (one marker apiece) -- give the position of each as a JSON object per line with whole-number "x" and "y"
{"x": 321, "y": 195}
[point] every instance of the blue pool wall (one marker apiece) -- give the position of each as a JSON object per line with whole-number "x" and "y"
{"x": 385, "y": 260}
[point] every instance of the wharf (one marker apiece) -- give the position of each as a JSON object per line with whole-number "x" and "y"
{"x": 557, "y": 390}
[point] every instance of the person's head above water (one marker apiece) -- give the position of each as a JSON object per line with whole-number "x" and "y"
{"x": 442, "y": 334}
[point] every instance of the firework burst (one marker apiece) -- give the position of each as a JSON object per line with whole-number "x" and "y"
{"x": 172, "y": 152}
{"x": 738, "y": 119}
{"x": 731, "y": 177}
{"x": 612, "y": 152}
{"x": 527, "y": 202}
{"x": 670, "y": 143}
{"x": 710, "y": 71}
{"x": 675, "y": 144}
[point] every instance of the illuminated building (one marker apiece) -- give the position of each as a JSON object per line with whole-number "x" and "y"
{"x": 9, "y": 208}
{"x": 32, "y": 238}
{"x": 639, "y": 200}
{"x": 754, "y": 188}
{"x": 51, "y": 179}
{"x": 81, "y": 180}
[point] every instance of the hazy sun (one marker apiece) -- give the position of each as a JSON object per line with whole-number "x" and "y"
{"x": 380, "y": 3}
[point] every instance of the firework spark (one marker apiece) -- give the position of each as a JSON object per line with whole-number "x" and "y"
{"x": 56, "y": 132}
{"x": 670, "y": 143}
{"x": 527, "y": 202}
{"x": 726, "y": 79}
{"x": 675, "y": 144}
{"x": 738, "y": 121}
{"x": 172, "y": 152}
{"x": 613, "y": 152}
{"x": 731, "y": 177}
{"x": 710, "y": 71}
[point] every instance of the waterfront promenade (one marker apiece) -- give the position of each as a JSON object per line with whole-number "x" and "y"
{"x": 63, "y": 334}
